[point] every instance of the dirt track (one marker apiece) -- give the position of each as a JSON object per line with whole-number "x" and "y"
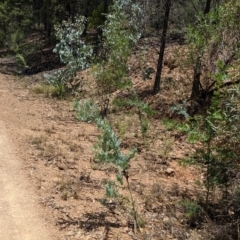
{"x": 20, "y": 215}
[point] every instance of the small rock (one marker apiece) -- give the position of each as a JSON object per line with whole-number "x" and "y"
{"x": 69, "y": 233}
{"x": 61, "y": 167}
{"x": 78, "y": 234}
{"x": 166, "y": 220}
{"x": 169, "y": 172}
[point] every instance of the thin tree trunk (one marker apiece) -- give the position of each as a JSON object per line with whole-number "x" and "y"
{"x": 196, "y": 85}
{"x": 156, "y": 87}
{"x": 196, "y": 79}
{"x": 207, "y": 6}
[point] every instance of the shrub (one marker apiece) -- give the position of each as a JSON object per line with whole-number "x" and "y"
{"x": 72, "y": 51}
{"x": 108, "y": 150}
{"x": 86, "y": 111}
{"x": 122, "y": 29}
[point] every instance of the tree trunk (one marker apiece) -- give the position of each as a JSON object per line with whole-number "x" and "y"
{"x": 196, "y": 79}
{"x": 207, "y": 6}
{"x": 196, "y": 85}
{"x": 156, "y": 87}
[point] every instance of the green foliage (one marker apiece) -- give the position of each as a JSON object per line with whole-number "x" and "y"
{"x": 72, "y": 51}
{"x": 169, "y": 124}
{"x": 191, "y": 208}
{"x": 108, "y": 150}
{"x": 15, "y": 40}
{"x": 111, "y": 189}
{"x": 121, "y": 127}
{"x": 135, "y": 102}
{"x": 120, "y": 32}
{"x": 192, "y": 211}
{"x": 144, "y": 112}
{"x": 220, "y": 145}
{"x": 182, "y": 14}
{"x": 108, "y": 147}
{"x": 185, "y": 13}
{"x": 16, "y": 21}
{"x": 215, "y": 40}
{"x": 21, "y": 62}
{"x": 216, "y": 32}
{"x": 143, "y": 109}
{"x": 86, "y": 111}
{"x": 3, "y": 19}
{"x": 2, "y": 39}
{"x": 147, "y": 72}
{"x": 47, "y": 90}
{"x": 181, "y": 109}
{"x": 56, "y": 81}
{"x": 97, "y": 18}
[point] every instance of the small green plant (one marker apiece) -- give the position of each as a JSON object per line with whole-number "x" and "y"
{"x": 169, "y": 124}
{"x": 64, "y": 196}
{"x": 108, "y": 151}
{"x": 146, "y": 73}
{"x": 86, "y": 111}
{"x": 108, "y": 148}
{"x": 144, "y": 112}
{"x": 110, "y": 190}
{"x": 57, "y": 81}
{"x": 73, "y": 52}
{"x": 143, "y": 109}
{"x": 21, "y": 62}
{"x": 121, "y": 127}
{"x": 167, "y": 146}
{"x": 38, "y": 89}
{"x": 67, "y": 188}
{"x": 181, "y": 109}
{"x": 192, "y": 211}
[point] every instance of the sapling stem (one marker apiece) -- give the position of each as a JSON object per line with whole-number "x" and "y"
{"x": 136, "y": 226}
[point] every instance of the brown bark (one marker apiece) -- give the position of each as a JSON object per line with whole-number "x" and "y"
{"x": 156, "y": 87}
{"x": 196, "y": 93}
{"x": 196, "y": 79}
{"x": 207, "y": 6}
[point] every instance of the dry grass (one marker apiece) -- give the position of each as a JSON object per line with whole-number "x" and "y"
{"x": 46, "y": 90}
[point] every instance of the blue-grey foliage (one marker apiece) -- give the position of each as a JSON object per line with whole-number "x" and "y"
{"x": 72, "y": 51}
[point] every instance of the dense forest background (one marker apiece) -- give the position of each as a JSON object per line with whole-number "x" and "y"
{"x": 21, "y": 18}
{"x": 66, "y": 39}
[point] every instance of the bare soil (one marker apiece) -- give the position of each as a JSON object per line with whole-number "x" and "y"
{"x": 21, "y": 216}
{"x": 50, "y": 183}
